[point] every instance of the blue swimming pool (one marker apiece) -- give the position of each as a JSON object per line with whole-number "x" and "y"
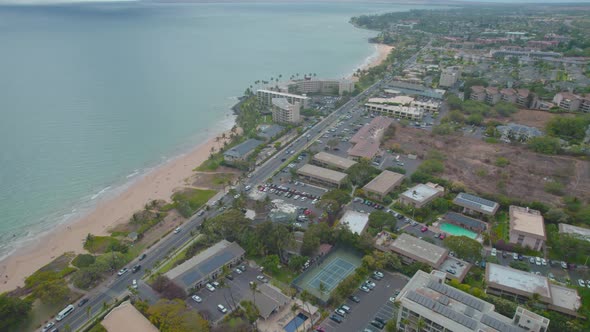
{"x": 295, "y": 323}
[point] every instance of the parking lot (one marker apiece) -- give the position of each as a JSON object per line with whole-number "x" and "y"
{"x": 376, "y": 303}
{"x": 230, "y": 294}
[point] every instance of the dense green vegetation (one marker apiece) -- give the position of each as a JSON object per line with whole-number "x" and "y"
{"x": 572, "y": 130}
{"x": 13, "y": 312}
{"x": 176, "y": 316}
{"x": 189, "y": 201}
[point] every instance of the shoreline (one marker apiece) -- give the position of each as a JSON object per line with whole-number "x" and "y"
{"x": 158, "y": 183}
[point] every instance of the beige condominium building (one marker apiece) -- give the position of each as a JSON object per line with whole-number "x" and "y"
{"x": 324, "y": 86}
{"x": 383, "y": 184}
{"x": 325, "y": 159}
{"x": 265, "y": 97}
{"x": 426, "y": 303}
{"x": 397, "y": 111}
{"x": 285, "y": 112}
{"x": 322, "y": 176}
{"x": 521, "y": 286}
{"x": 527, "y": 227}
{"x": 368, "y": 139}
{"x": 421, "y": 194}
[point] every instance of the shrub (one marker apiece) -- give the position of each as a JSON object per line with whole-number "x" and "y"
{"x": 555, "y": 188}
{"x": 502, "y": 162}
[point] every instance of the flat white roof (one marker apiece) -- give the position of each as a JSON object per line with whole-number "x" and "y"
{"x": 334, "y": 160}
{"x": 396, "y": 108}
{"x": 419, "y": 250}
{"x": 403, "y": 100}
{"x": 581, "y": 232}
{"x": 321, "y": 173}
{"x": 284, "y": 94}
{"x": 517, "y": 280}
{"x": 564, "y": 297}
{"x": 355, "y": 221}
{"x": 527, "y": 221}
{"x": 420, "y": 192}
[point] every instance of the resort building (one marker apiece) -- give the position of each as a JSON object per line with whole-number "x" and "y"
{"x": 478, "y": 93}
{"x": 285, "y": 112}
{"x": 383, "y": 184}
{"x": 421, "y": 194}
{"x": 208, "y": 264}
{"x": 402, "y": 112}
{"x": 322, "y": 86}
{"x": 426, "y": 303}
{"x": 412, "y": 249}
{"x": 492, "y": 95}
{"x": 355, "y": 221}
{"x": 521, "y": 286}
{"x": 425, "y": 105}
{"x": 568, "y": 101}
{"x": 579, "y": 232}
{"x": 265, "y": 98}
{"x": 368, "y": 139}
{"x": 126, "y": 318}
{"x": 322, "y": 176}
{"x": 527, "y": 227}
{"x": 463, "y": 221}
{"x": 268, "y": 132}
{"x": 449, "y": 76}
{"x": 325, "y": 159}
{"x": 415, "y": 90}
{"x": 474, "y": 204}
{"x": 241, "y": 151}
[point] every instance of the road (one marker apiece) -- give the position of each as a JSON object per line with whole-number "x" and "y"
{"x": 116, "y": 287}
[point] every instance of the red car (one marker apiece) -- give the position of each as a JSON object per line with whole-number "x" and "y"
{"x": 423, "y": 229}
{"x": 442, "y": 236}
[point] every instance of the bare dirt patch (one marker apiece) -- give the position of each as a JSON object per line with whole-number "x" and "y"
{"x": 532, "y": 118}
{"x": 473, "y": 162}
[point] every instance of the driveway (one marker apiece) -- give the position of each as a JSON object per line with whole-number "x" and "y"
{"x": 372, "y": 304}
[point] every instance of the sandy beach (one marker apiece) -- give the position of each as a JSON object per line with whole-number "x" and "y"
{"x": 158, "y": 184}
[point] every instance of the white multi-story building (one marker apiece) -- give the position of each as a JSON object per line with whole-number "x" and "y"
{"x": 449, "y": 76}
{"x": 285, "y": 112}
{"x": 404, "y": 112}
{"x": 265, "y": 97}
{"x": 426, "y": 303}
{"x": 322, "y": 86}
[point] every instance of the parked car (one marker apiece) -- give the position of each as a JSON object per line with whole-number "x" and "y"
{"x": 238, "y": 271}
{"x": 532, "y": 260}
{"x": 423, "y": 229}
{"x": 378, "y": 274}
{"x": 543, "y": 262}
{"x": 563, "y": 265}
{"x": 221, "y": 308}
{"x": 354, "y": 299}
{"x": 377, "y": 324}
{"x": 514, "y": 256}
{"x": 581, "y": 283}
{"x": 210, "y": 287}
{"x": 345, "y": 308}
{"x": 364, "y": 288}
{"x": 392, "y": 299}
{"x": 336, "y": 318}
{"x": 380, "y": 320}
{"x": 493, "y": 253}
{"x": 538, "y": 260}
{"x": 340, "y": 312}
{"x": 215, "y": 284}
{"x": 197, "y": 298}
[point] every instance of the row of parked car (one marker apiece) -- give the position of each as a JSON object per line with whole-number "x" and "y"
{"x": 368, "y": 203}
{"x": 287, "y": 192}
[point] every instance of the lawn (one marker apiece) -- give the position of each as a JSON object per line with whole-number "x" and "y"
{"x": 99, "y": 244}
{"x": 211, "y": 164}
{"x": 195, "y": 198}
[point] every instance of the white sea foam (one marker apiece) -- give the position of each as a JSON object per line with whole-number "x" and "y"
{"x": 98, "y": 194}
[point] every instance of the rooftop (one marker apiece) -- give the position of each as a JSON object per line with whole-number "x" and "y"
{"x": 581, "y": 232}
{"x": 421, "y": 192}
{"x": 283, "y": 94}
{"x": 333, "y": 160}
{"x": 419, "y": 250}
{"x": 384, "y": 182}
{"x": 397, "y": 108}
{"x": 476, "y": 203}
{"x": 270, "y": 131}
{"x": 563, "y": 297}
{"x": 428, "y": 295}
{"x": 243, "y": 149}
{"x": 398, "y": 100}
{"x": 125, "y": 318}
{"x": 209, "y": 260}
{"x": 368, "y": 138}
{"x": 517, "y": 281}
{"x": 282, "y": 103}
{"x": 269, "y": 299}
{"x": 464, "y": 220}
{"x": 321, "y": 173}
{"x": 527, "y": 220}
{"x": 355, "y": 221}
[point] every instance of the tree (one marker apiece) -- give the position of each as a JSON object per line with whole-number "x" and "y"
{"x": 570, "y": 129}
{"x": 520, "y": 266}
{"x": 167, "y": 288}
{"x": 175, "y": 316}
{"x": 332, "y": 143}
{"x": 362, "y": 172}
{"x": 13, "y": 311}
{"x": 464, "y": 247}
{"x": 228, "y": 225}
{"x": 53, "y": 292}
{"x": 544, "y": 144}
{"x": 271, "y": 263}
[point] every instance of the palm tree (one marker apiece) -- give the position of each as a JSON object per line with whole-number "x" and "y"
{"x": 421, "y": 324}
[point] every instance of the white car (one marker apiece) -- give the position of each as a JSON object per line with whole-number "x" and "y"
{"x": 210, "y": 287}
{"x": 581, "y": 283}
{"x": 48, "y": 326}
{"x": 543, "y": 262}
{"x": 340, "y": 312}
{"x": 493, "y": 253}
{"x": 197, "y": 299}
{"x": 221, "y": 308}
{"x": 538, "y": 260}
{"x": 364, "y": 288}
{"x": 134, "y": 284}
{"x": 122, "y": 271}
{"x": 392, "y": 299}
{"x": 514, "y": 256}
{"x": 238, "y": 271}
{"x": 378, "y": 274}
{"x": 177, "y": 230}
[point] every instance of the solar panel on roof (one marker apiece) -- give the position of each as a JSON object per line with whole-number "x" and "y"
{"x": 456, "y": 295}
{"x": 469, "y": 312}
{"x": 499, "y": 325}
{"x": 443, "y": 300}
{"x": 477, "y": 199}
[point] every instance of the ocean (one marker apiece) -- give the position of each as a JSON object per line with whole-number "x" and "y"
{"x": 94, "y": 95}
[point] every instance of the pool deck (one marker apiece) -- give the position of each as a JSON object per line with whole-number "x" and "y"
{"x": 277, "y": 321}
{"x": 435, "y": 228}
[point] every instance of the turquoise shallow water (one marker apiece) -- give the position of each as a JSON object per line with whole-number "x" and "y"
{"x": 457, "y": 230}
{"x": 94, "y": 95}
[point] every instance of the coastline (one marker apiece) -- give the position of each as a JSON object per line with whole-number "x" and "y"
{"x": 159, "y": 183}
